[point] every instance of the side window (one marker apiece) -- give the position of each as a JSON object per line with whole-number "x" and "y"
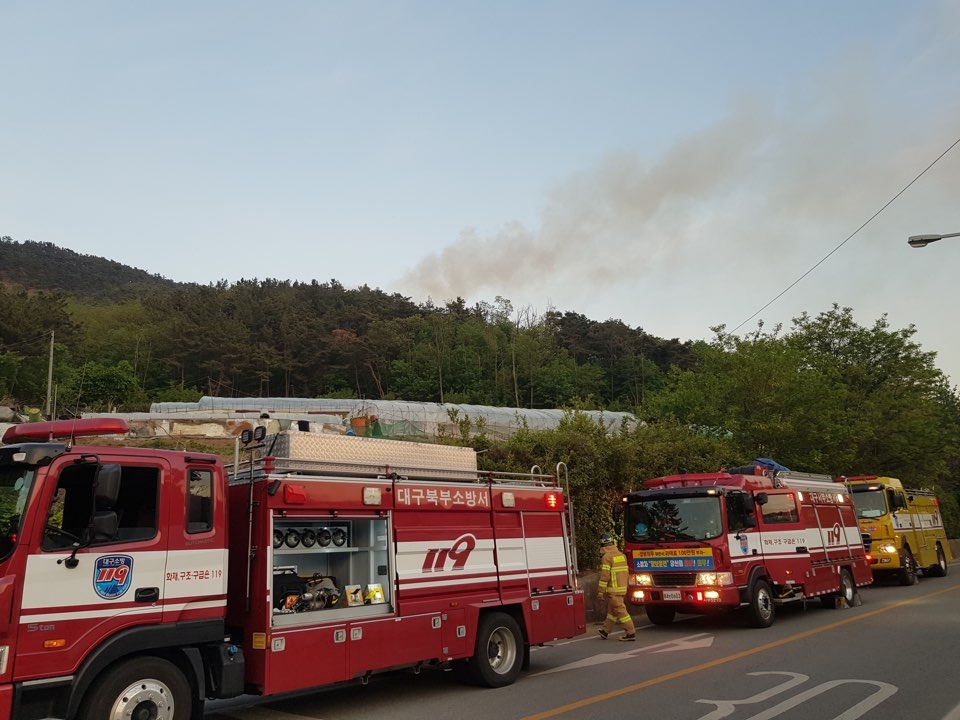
{"x": 780, "y": 509}
{"x": 137, "y": 503}
{"x": 70, "y": 511}
{"x": 738, "y": 516}
{"x": 70, "y": 515}
{"x": 61, "y": 531}
{"x": 200, "y": 501}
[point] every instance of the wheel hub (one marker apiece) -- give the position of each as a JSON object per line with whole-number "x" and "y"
{"x": 500, "y": 651}
{"x": 144, "y": 700}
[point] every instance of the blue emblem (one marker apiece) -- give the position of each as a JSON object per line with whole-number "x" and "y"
{"x": 744, "y": 543}
{"x": 112, "y": 575}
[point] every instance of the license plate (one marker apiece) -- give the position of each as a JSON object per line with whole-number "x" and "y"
{"x": 671, "y": 595}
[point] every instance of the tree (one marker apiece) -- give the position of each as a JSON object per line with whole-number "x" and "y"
{"x": 105, "y": 388}
{"x": 829, "y": 396}
{"x": 895, "y": 399}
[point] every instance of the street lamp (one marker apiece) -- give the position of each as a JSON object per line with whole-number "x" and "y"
{"x": 919, "y": 241}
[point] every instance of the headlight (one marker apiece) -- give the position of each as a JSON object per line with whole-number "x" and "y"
{"x": 720, "y": 578}
{"x": 643, "y": 579}
{"x": 889, "y": 549}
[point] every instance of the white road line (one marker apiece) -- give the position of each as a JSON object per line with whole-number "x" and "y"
{"x": 953, "y": 714}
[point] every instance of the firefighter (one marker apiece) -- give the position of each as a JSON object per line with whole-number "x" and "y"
{"x": 612, "y": 589}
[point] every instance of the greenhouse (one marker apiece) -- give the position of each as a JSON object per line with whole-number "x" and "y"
{"x": 385, "y": 418}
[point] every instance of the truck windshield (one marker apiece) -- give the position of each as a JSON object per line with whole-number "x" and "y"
{"x": 689, "y": 518}
{"x": 15, "y": 483}
{"x": 870, "y": 504}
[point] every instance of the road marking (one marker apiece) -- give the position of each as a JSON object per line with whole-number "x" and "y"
{"x": 727, "y": 707}
{"x": 691, "y": 642}
{"x": 587, "y": 702}
{"x": 953, "y": 714}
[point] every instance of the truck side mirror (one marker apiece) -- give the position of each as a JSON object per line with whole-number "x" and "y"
{"x": 617, "y": 512}
{"x": 896, "y": 500}
{"x": 103, "y": 525}
{"x": 107, "y": 486}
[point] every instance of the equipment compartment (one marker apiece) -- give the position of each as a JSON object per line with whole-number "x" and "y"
{"x": 319, "y": 566}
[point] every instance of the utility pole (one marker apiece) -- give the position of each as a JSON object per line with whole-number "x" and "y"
{"x": 46, "y": 410}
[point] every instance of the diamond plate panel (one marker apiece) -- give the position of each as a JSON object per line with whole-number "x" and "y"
{"x": 345, "y": 453}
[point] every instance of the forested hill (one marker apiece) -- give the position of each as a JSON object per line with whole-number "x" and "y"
{"x": 45, "y": 266}
{"x": 126, "y": 338}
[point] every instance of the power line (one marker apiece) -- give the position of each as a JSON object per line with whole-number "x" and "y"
{"x": 848, "y": 238}
{"x": 40, "y": 339}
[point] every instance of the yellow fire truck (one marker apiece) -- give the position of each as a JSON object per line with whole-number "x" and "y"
{"x": 905, "y": 528}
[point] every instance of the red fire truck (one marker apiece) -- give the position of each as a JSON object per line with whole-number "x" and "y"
{"x": 748, "y": 538}
{"x": 138, "y": 582}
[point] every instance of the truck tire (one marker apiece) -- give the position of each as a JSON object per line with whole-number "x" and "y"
{"x": 660, "y": 614}
{"x": 908, "y": 568}
{"x": 940, "y": 569}
{"x": 848, "y": 590}
{"x": 147, "y": 687}
{"x": 498, "y": 653}
{"x": 761, "y": 604}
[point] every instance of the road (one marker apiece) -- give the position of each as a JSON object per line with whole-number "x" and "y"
{"x": 891, "y": 658}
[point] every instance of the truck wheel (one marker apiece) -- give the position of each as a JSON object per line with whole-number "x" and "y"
{"x": 848, "y": 591}
{"x": 761, "y": 604}
{"x": 498, "y": 654}
{"x": 147, "y": 687}
{"x": 660, "y": 614}
{"x": 908, "y": 568}
{"x": 940, "y": 569}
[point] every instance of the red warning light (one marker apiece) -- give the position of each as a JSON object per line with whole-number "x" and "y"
{"x": 294, "y": 494}
{"x": 553, "y": 501}
{"x": 47, "y": 431}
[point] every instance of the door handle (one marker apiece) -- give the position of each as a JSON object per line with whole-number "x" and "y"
{"x": 146, "y": 595}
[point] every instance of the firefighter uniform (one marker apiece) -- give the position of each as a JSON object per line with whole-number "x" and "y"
{"x": 613, "y": 589}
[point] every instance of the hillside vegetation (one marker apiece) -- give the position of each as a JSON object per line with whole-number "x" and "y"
{"x": 44, "y": 266}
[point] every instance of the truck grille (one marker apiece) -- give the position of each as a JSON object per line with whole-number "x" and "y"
{"x": 674, "y": 579}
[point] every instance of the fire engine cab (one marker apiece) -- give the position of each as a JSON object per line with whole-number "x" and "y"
{"x": 745, "y": 538}
{"x": 138, "y": 582}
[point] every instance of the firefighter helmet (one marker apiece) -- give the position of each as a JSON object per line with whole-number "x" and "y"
{"x": 606, "y": 539}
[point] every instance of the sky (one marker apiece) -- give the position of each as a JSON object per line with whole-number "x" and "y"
{"x": 676, "y": 166}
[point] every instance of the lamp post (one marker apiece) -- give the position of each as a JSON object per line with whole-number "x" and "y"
{"x": 919, "y": 241}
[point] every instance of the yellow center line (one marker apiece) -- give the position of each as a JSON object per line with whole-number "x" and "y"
{"x": 586, "y": 702}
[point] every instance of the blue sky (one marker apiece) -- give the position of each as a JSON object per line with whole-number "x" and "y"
{"x": 672, "y": 165}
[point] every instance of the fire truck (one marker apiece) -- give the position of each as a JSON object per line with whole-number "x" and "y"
{"x": 139, "y": 582}
{"x": 745, "y": 538}
{"x": 904, "y": 527}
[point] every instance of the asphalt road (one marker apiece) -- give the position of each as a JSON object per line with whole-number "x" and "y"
{"x": 894, "y": 657}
